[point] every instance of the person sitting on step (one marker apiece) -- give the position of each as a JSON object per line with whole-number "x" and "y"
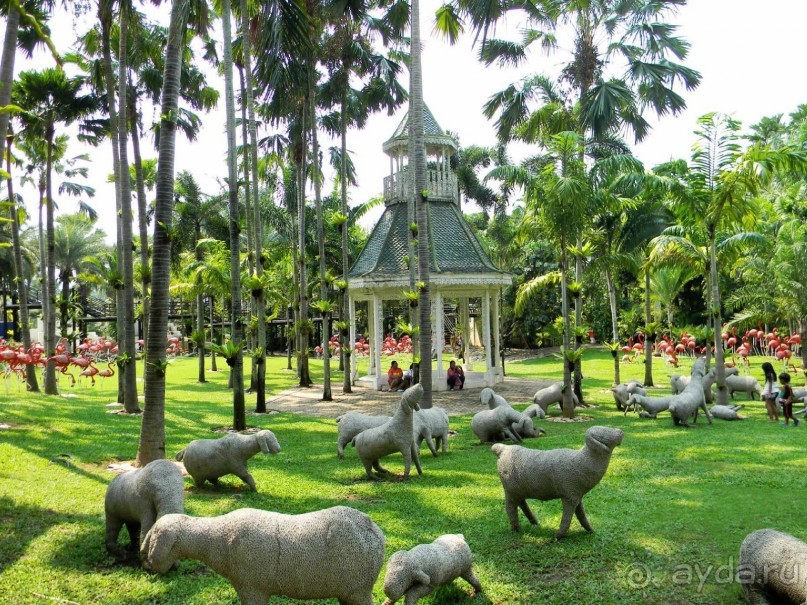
{"x": 456, "y": 377}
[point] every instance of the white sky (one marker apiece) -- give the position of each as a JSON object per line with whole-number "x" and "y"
{"x": 750, "y": 55}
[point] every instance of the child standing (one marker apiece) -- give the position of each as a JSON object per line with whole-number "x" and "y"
{"x": 770, "y": 392}
{"x": 787, "y": 399}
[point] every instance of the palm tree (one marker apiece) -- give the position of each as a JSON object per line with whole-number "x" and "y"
{"x": 152, "y": 431}
{"x": 51, "y": 98}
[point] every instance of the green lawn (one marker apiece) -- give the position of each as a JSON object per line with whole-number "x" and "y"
{"x": 676, "y": 503}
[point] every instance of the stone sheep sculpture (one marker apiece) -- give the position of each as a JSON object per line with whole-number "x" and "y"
{"x": 491, "y": 398}
{"x": 502, "y": 423}
{"x": 432, "y": 426}
{"x": 209, "y": 459}
{"x": 679, "y": 383}
{"x": 395, "y": 435}
{"x": 552, "y": 394}
{"x": 494, "y": 400}
{"x": 622, "y": 393}
{"x": 535, "y": 411}
{"x": 744, "y": 384}
{"x": 652, "y": 406}
{"x": 727, "y": 412}
{"x": 773, "y": 568}
{"x": 415, "y": 573}
{"x": 138, "y": 498}
{"x": 548, "y": 475}
{"x": 332, "y": 553}
{"x": 351, "y": 424}
{"x": 691, "y": 400}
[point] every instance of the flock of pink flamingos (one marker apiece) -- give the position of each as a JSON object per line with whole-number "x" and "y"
{"x": 90, "y": 353}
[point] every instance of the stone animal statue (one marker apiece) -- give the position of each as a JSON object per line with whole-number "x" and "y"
{"x": 432, "y": 426}
{"x": 209, "y": 459}
{"x": 652, "y": 405}
{"x": 491, "y": 398}
{"x": 773, "y": 568}
{"x": 744, "y": 384}
{"x": 415, "y": 573}
{"x": 351, "y": 424}
{"x": 548, "y": 475}
{"x": 691, "y": 400}
{"x": 622, "y": 393}
{"x": 332, "y": 553}
{"x": 552, "y": 394}
{"x": 799, "y": 393}
{"x": 727, "y": 412}
{"x": 138, "y": 498}
{"x": 501, "y": 423}
{"x": 679, "y": 383}
{"x": 535, "y": 411}
{"x": 395, "y": 435}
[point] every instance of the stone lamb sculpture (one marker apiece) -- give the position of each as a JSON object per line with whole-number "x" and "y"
{"x": 491, "y": 398}
{"x": 432, "y": 426}
{"x": 501, "y": 423}
{"x": 138, "y": 498}
{"x": 353, "y": 423}
{"x": 415, "y": 573}
{"x": 727, "y": 412}
{"x": 744, "y": 384}
{"x": 679, "y": 383}
{"x": 332, "y": 553}
{"x": 691, "y": 400}
{"x": 552, "y": 474}
{"x": 209, "y": 459}
{"x": 552, "y": 394}
{"x": 535, "y": 411}
{"x": 622, "y": 393}
{"x": 395, "y": 435}
{"x": 653, "y": 406}
{"x": 773, "y": 568}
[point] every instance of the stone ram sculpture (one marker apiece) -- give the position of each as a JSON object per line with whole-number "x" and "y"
{"x": 138, "y": 498}
{"x": 351, "y": 424}
{"x": 691, "y": 400}
{"x": 622, "y": 393}
{"x": 501, "y": 423}
{"x": 395, "y": 435}
{"x": 209, "y": 459}
{"x": 679, "y": 383}
{"x": 744, "y": 384}
{"x": 727, "y": 412}
{"x": 773, "y": 568}
{"x": 652, "y": 405}
{"x": 332, "y": 553}
{"x": 415, "y": 573}
{"x": 432, "y": 426}
{"x": 491, "y": 398}
{"x": 535, "y": 411}
{"x": 552, "y": 394}
{"x": 548, "y": 475}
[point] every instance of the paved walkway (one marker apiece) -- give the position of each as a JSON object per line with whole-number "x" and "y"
{"x": 307, "y": 402}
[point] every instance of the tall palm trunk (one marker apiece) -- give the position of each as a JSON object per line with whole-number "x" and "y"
{"x": 578, "y": 322}
{"x": 236, "y": 363}
{"x": 7, "y": 70}
{"x": 648, "y": 338}
{"x": 260, "y": 303}
{"x": 213, "y": 367}
{"x": 50, "y": 266}
{"x": 347, "y": 346}
{"x": 142, "y": 218}
{"x": 417, "y": 161}
{"x": 43, "y": 275}
{"x": 568, "y": 367}
{"x": 302, "y": 316}
{"x": 717, "y": 321}
{"x": 127, "y": 364}
{"x": 609, "y": 281}
{"x": 22, "y": 288}
{"x": 323, "y": 285}
{"x": 200, "y": 307}
{"x": 152, "y": 430}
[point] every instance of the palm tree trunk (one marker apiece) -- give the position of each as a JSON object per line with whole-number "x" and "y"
{"x": 152, "y": 430}
{"x": 323, "y": 284}
{"x": 50, "y": 319}
{"x": 142, "y": 218}
{"x": 43, "y": 275}
{"x": 7, "y": 70}
{"x": 213, "y": 367}
{"x": 717, "y": 321}
{"x": 609, "y": 281}
{"x": 127, "y": 364}
{"x": 260, "y": 303}
{"x": 578, "y": 322}
{"x": 64, "y": 277}
{"x": 200, "y": 310}
{"x": 417, "y": 161}
{"x": 302, "y": 318}
{"x": 568, "y": 367}
{"x": 648, "y": 340}
{"x": 22, "y": 288}
{"x": 347, "y": 346}
{"x": 236, "y": 364}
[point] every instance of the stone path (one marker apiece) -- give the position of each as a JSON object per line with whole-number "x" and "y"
{"x": 307, "y": 402}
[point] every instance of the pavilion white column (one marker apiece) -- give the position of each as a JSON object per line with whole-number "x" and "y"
{"x": 437, "y": 335}
{"x": 351, "y": 311}
{"x": 495, "y": 319}
{"x": 465, "y": 320}
{"x": 378, "y": 317}
{"x": 486, "y": 328}
{"x": 371, "y": 334}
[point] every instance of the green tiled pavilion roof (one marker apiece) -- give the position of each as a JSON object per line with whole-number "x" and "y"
{"x": 453, "y": 246}
{"x": 434, "y": 135}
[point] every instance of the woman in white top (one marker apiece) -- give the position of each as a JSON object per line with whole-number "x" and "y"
{"x": 771, "y": 392}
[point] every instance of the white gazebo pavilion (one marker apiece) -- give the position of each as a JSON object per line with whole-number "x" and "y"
{"x": 461, "y": 271}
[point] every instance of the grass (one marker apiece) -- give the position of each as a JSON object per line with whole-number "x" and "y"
{"x": 669, "y": 516}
